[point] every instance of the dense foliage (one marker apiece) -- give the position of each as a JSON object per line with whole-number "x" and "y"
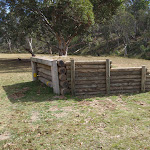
{"x": 92, "y": 27}
{"x": 63, "y": 20}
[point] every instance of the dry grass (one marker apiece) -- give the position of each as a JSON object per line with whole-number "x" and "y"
{"x": 31, "y": 117}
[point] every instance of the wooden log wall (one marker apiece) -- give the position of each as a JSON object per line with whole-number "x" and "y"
{"x": 63, "y": 83}
{"x": 125, "y": 80}
{"x": 147, "y": 85}
{"x": 46, "y": 71}
{"x": 89, "y": 77}
{"x": 44, "y": 74}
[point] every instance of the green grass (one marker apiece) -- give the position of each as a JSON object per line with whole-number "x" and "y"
{"x": 32, "y": 117}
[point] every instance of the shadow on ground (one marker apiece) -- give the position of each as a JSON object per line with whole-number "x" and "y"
{"x": 15, "y": 65}
{"x": 39, "y": 92}
{"x": 28, "y": 92}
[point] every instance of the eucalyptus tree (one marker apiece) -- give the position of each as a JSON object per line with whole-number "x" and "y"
{"x": 7, "y": 25}
{"x": 65, "y": 19}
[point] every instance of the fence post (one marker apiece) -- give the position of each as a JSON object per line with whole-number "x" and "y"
{"x": 55, "y": 79}
{"x": 143, "y": 79}
{"x": 107, "y": 76}
{"x": 34, "y": 70}
{"x": 72, "y": 77}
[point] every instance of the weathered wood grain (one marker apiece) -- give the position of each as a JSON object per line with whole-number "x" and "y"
{"x": 48, "y": 77}
{"x": 62, "y": 77}
{"x": 64, "y": 84}
{"x": 55, "y": 79}
{"x": 143, "y": 79}
{"x": 88, "y": 78}
{"x": 125, "y": 88}
{"x": 85, "y": 74}
{"x": 43, "y": 61}
{"x": 88, "y": 67}
{"x": 124, "y": 80}
{"x": 45, "y": 81}
{"x": 90, "y": 86}
{"x": 45, "y": 71}
{"x": 121, "y": 73}
{"x": 43, "y": 66}
{"x": 87, "y": 82}
{"x": 62, "y": 70}
{"x": 61, "y": 63}
{"x": 126, "y": 77}
{"x": 125, "y": 84}
{"x": 90, "y": 90}
{"x": 34, "y": 70}
{"x": 124, "y": 91}
{"x": 107, "y": 76}
{"x": 91, "y": 93}
{"x": 99, "y": 62}
{"x": 81, "y": 70}
{"x": 72, "y": 77}
{"x": 126, "y": 69}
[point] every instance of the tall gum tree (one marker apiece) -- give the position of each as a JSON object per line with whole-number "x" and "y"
{"x": 66, "y": 19}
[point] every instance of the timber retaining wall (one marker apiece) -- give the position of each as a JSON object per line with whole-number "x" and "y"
{"x": 89, "y": 77}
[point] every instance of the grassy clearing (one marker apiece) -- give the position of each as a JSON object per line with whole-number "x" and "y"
{"x": 31, "y": 117}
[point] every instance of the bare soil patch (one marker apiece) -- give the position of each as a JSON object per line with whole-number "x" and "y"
{"x": 19, "y": 94}
{"x": 4, "y": 136}
{"x": 35, "y": 116}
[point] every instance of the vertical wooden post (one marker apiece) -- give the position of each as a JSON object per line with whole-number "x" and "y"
{"x": 72, "y": 77}
{"x": 143, "y": 79}
{"x": 55, "y": 79}
{"x": 107, "y": 76}
{"x": 34, "y": 70}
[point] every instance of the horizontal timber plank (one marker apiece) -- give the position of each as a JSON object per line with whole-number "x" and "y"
{"x": 100, "y": 62}
{"x": 125, "y": 84}
{"x": 126, "y": 77}
{"x": 88, "y": 78}
{"x": 88, "y": 70}
{"x": 90, "y": 90}
{"x": 48, "y": 77}
{"x": 43, "y": 66}
{"x": 124, "y": 80}
{"x": 45, "y": 81}
{"x": 45, "y": 71}
{"x": 124, "y": 91}
{"x": 147, "y": 86}
{"x": 147, "y": 79}
{"x": 90, "y": 86}
{"x": 90, "y": 93}
{"x": 125, "y": 73}
{"x": 87, "y": 74}
{"x": 87, "y": 67}
{"x": 43, "y": 61}
{"x": 147, "y": 82}
{"x": 89, "y": 82}
{"x": 125, "y": 88}
{"x": 126, "y": 69}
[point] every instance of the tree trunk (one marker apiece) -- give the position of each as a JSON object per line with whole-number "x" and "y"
{"x": 63, "y": 47}
{"x": 9, "y": 45}
{"x": 29, "y": 46}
